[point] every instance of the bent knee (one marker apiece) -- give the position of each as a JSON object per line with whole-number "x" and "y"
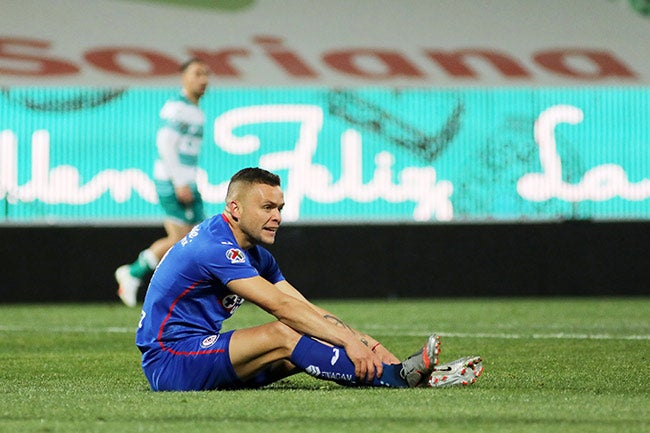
{"x": 285, "y": 334}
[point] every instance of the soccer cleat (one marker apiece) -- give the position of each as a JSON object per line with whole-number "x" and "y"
{"x": 462, "y": 372}
{"x": 128, "y": 286}
{"x": 417, "y": 368}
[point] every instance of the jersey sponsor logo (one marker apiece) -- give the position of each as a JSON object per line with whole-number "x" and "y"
{"x": 332, "y": 375}
{"x": 315, "y": 371}
{"x": 209, "y": 341}
{"x": 235, "y": 255}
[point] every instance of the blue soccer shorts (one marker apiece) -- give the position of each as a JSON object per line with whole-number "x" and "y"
{"x": 193, "y": 364}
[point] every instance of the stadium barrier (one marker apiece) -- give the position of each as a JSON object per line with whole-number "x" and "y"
{"x": 76, "y": 263}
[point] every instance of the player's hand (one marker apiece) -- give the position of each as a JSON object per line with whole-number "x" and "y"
{"x": 184, "y": 194}
{"x": 385, "y": 355}
{"x": 367, "y": 364}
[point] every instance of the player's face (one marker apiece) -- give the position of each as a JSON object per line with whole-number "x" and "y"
{"x": 195, "y": 80}
{"x": 260, "y": 213}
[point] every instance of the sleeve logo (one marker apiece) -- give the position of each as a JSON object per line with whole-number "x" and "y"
{"x": 235, "y": 255}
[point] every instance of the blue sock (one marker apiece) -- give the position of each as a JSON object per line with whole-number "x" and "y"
{"x": 332, "y": 363}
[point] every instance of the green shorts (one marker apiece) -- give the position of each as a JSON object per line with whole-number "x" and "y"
{"x": 191, "y": 214}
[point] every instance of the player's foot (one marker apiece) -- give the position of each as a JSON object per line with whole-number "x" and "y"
{"x": 417, "y": 368}
{"x": 128, "y": 286}
{"x": 463, "y": 371}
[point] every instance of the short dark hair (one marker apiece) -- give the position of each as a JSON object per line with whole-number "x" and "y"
{"x": 256, "y": 175}
{"x": 186, "y": 64}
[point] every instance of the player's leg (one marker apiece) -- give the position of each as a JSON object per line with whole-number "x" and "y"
{"x": 274, "y": 345}
{"x": 181, "y": 218}
{"x": 129, "y": 277}
{"x": 264, "y": 348}
{"x": 175, "y": 232}
{"x": 179, "y": 221}
{"x": 272, "y": 373}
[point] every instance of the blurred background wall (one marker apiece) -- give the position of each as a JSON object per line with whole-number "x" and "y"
{"x": 426, "y": 148}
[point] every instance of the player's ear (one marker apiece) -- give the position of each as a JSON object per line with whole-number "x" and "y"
{"x": 233, "y": 209}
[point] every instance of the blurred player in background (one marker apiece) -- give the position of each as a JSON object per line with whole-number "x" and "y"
{"x": 179, "y": 141}
{"x": 204, "y": 279}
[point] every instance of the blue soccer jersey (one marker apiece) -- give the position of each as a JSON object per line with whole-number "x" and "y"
{"x": 188, "y": 296}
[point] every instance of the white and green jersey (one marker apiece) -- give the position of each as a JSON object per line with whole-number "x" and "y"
{"x": 179, "y": 141}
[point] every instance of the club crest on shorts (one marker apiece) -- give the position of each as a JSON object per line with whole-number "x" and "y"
{"x": 209, "y": 341}
{"x": 235, "y": 255}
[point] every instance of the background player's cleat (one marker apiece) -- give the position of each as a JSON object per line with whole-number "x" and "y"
{"x": 461, "y": 372}
{"x": 417, "y": 367}
{"x": 128, "y": 286}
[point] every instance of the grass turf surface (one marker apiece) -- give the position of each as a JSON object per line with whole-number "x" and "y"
{"x": 569, "y": 365}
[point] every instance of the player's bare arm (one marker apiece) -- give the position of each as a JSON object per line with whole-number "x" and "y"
{"x": 384, "y": 354}
{"x": 300, "y": 315}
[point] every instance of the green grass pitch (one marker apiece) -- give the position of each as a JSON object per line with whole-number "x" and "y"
{"x": 552, "y": 365}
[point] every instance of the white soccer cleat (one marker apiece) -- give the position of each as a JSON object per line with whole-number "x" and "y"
{"x": 417, "y": 367}
{"x": 128, "y": 286}
{"x": 461, "y": 372}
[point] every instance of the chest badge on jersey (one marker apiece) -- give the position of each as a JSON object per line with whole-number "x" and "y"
{"x": 235, "y": 255}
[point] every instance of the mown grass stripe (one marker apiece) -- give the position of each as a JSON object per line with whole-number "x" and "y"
{"x": 378, "y": 330}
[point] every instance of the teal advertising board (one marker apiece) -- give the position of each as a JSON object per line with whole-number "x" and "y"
{"x": 85, "y": 155}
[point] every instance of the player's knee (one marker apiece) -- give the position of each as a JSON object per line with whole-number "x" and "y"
{"x": 288, "y": 336}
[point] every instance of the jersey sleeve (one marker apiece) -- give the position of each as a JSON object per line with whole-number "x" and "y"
{"x": 270, "y": 269}
{"x": 229, "y": 263}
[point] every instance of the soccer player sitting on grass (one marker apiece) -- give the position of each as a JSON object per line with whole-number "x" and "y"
{"x": 206, "y": 276}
